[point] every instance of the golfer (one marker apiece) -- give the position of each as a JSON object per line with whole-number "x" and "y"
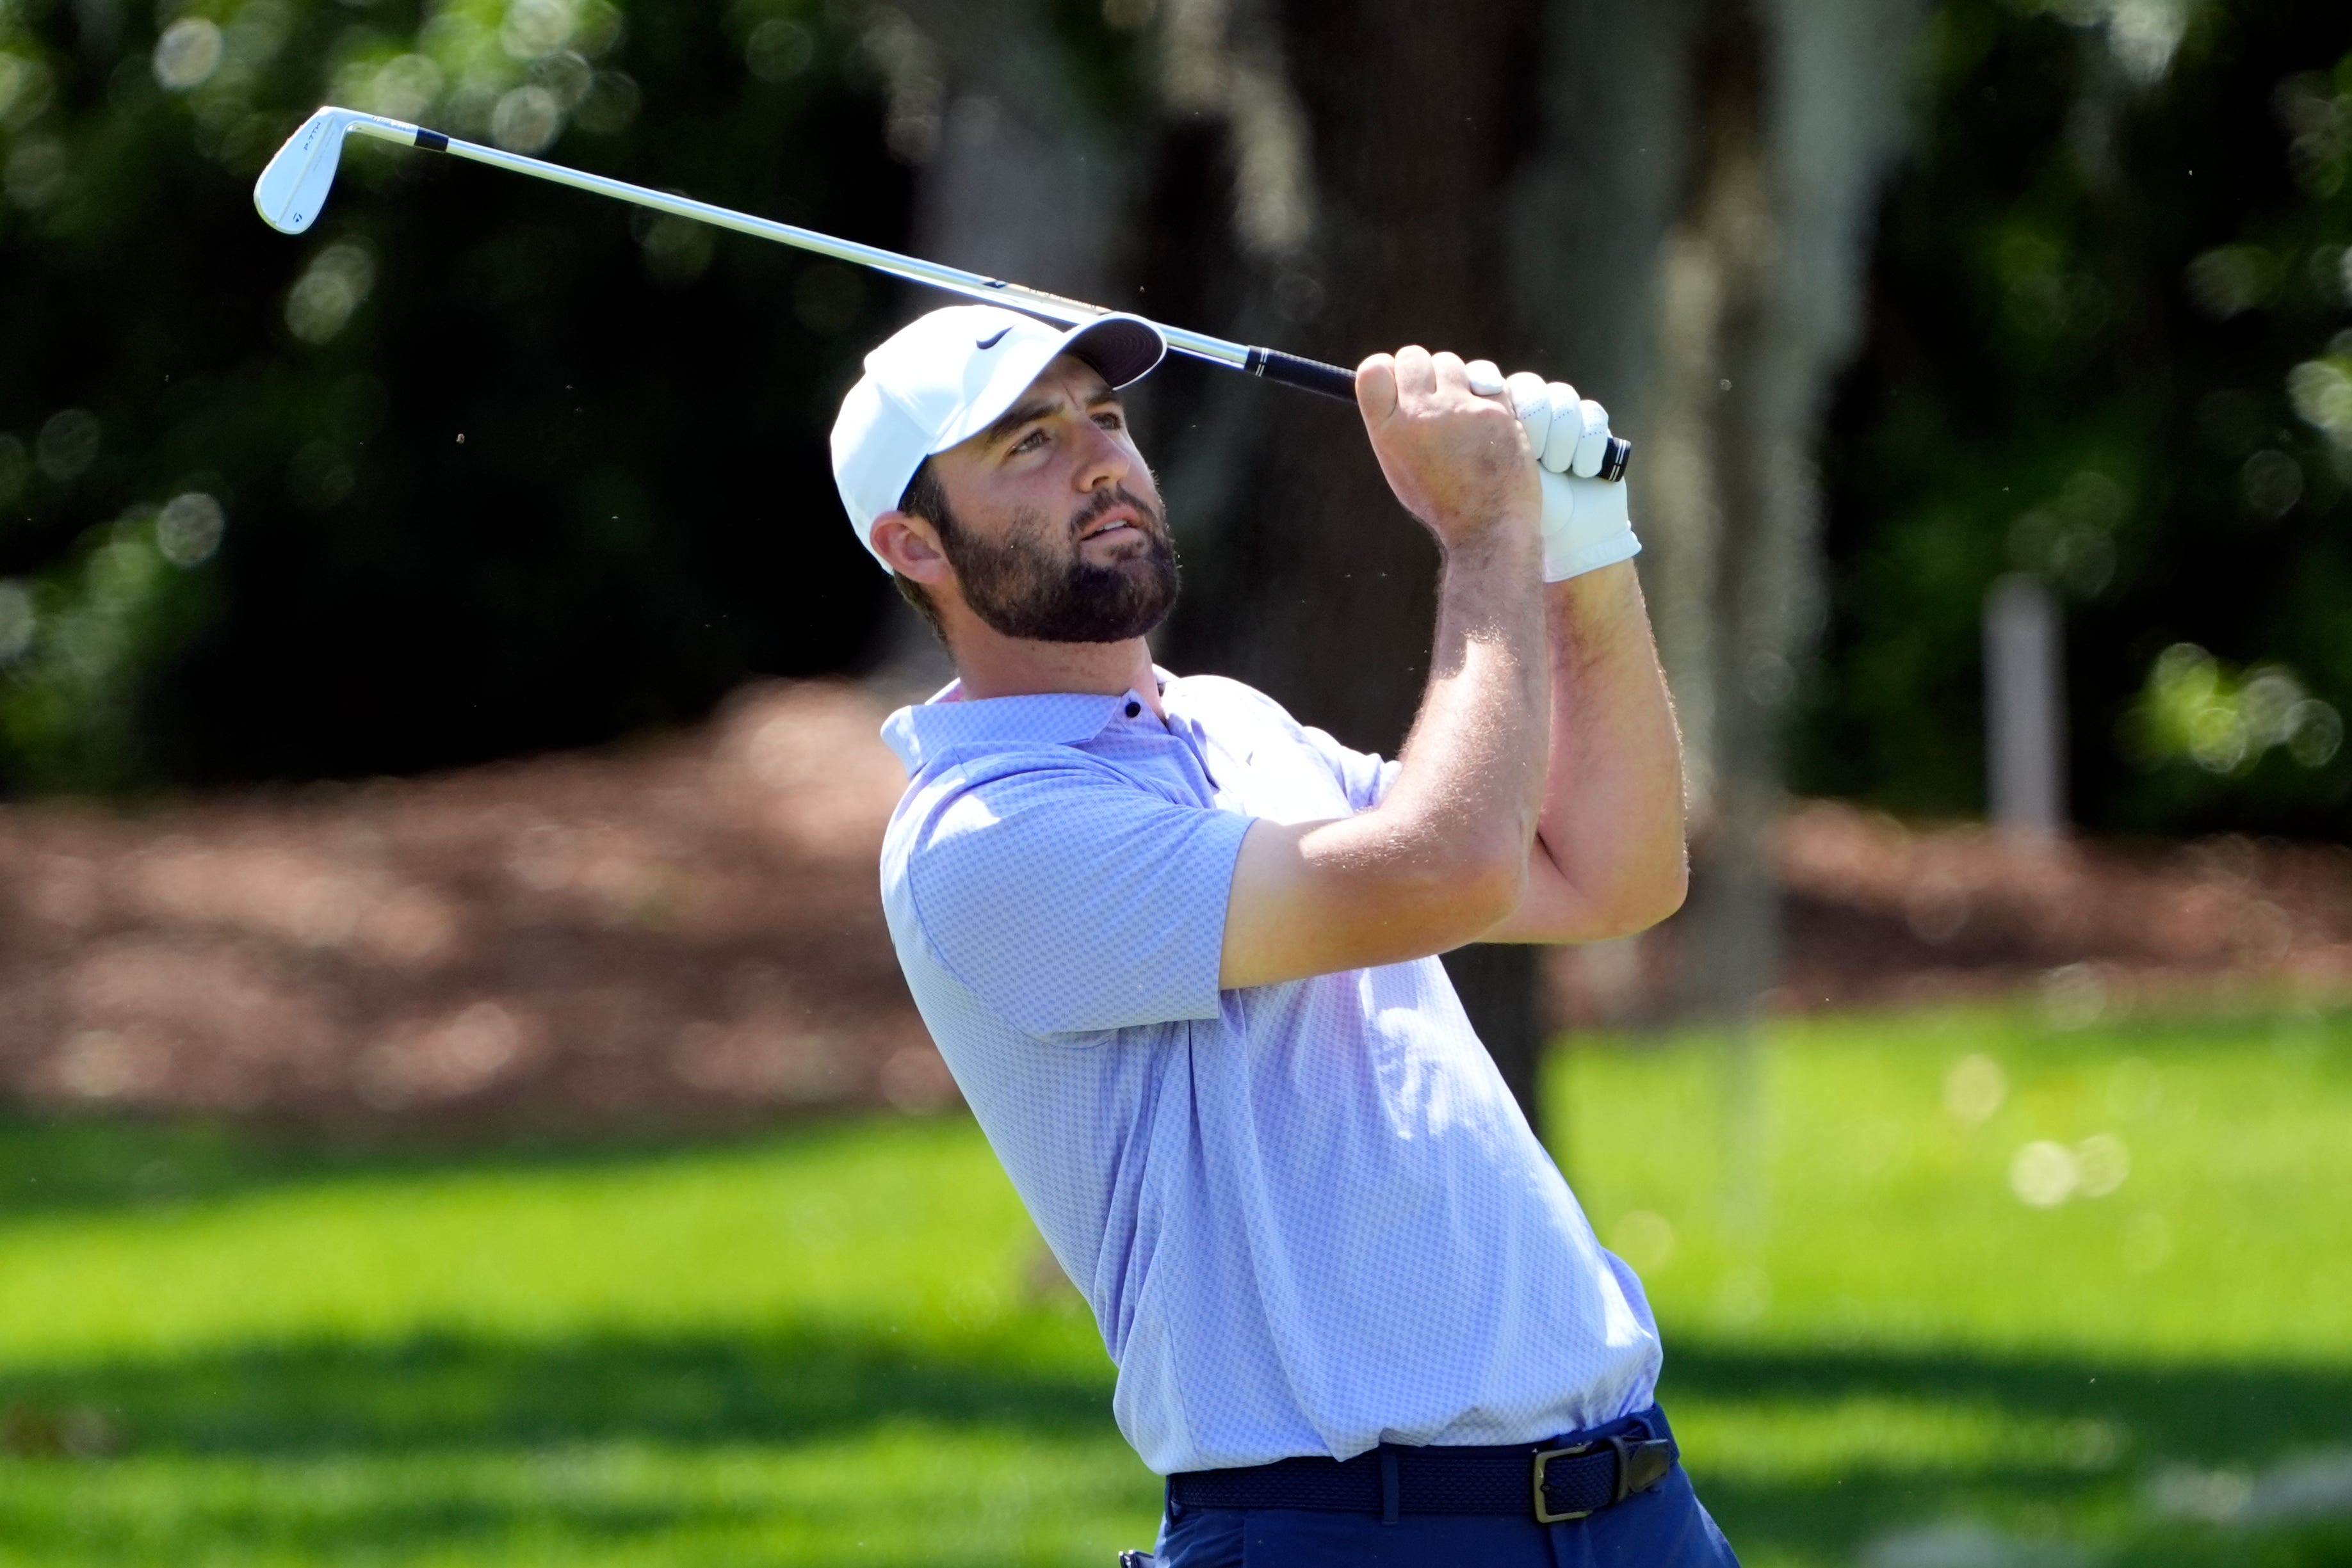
{"x": 1180, "y": 952}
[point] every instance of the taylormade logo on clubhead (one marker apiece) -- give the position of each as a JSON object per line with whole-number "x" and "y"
{"x": 294, "y": 186}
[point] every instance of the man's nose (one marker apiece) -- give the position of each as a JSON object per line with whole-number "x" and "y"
{"x": 1101, "y": 460}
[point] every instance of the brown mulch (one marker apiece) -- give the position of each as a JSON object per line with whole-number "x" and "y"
{"x": 1879, "y": 913}
{"x": 687, "y": 933}
{"x": 684, "y": 932}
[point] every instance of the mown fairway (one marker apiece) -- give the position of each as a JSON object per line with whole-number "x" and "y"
{"x": 841, "y": 1345}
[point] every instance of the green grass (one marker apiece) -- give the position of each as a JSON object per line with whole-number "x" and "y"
{"x": 1880, "y": 1334}
{"x": 832, "y": 1346}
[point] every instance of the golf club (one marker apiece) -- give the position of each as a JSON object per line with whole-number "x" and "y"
{"x": 294, "y": 186}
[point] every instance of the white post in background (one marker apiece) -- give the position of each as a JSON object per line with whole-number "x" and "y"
{"x": 2025, "y": 708}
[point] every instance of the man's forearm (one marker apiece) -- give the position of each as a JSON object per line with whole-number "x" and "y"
{"x": 1445, "y": 854}
{"x": 1472, "y": 777}
{"x": 1608, "y": 853}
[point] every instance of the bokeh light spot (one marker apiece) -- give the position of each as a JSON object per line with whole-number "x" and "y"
{"x": 333, "y": 286}
{"x": 676, "y": 249}
{"x": 2270, "y": 483}
{"x": 2232, "y": 278}
{"x": 27, "y": 87}
{"x": 526, "y": 119}
{"x": 2315, "y": 733}
{"x": 187, "y": 54}
{"x": 35, "y": 173}
{"x": 189, "y": 528}
{"x": 68, "y": 445}
{"x": 565, "y": 75}
{"x": 609, "y": 105}
{"x": 2101, "y": 1165}
{"x": 2073, "y": 997}
{"x": 1974, "y": 1090}
{"x": 535, "y": 28}
{"x": 2043, "y": 1173}
{"x": 2321, "y": 392}
{"x": 405, "y": 87}
{"x": 779, "y": 50}
{"x": 1643, "y": 1238}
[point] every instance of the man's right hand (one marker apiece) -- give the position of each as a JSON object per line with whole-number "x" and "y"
{"x": 1457, "y": 460}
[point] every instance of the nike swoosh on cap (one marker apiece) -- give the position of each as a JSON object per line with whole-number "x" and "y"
{"x": 993, "y": 338}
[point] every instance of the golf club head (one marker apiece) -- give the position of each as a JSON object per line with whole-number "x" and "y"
{"x": 294, "y": 185}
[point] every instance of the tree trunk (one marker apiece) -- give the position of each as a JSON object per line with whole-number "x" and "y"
{"x": 1316, "y": 586}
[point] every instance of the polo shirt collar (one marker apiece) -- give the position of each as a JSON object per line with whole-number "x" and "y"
{"x": 926, "y": 730}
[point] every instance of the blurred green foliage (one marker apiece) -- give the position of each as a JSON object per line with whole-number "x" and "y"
{"x": 478, "y": 466}
{"x": 2104, "y": 346}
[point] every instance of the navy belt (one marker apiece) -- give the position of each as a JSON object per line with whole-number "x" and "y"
{"x": 1551, "y": 1481}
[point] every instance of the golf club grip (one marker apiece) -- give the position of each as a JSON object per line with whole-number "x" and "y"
{"x": 1315, "y": 376}
{"x": 1307, "y": 375}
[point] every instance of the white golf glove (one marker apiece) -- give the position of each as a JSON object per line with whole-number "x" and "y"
{"x": 1585, "y": 525}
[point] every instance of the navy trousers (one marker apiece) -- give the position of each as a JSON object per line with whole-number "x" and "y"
{"x": 1665, "y": 1527}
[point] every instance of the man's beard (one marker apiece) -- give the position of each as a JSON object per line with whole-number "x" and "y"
{"x": 1022, "y": 586}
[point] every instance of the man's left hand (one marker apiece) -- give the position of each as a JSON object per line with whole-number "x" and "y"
{"x": 1585, "y": 523}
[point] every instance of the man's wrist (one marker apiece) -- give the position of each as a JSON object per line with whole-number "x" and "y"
{"x": 1604, "y": 591}
{"x": 1585, "y": 526}
{"x": 1504, "y": 539}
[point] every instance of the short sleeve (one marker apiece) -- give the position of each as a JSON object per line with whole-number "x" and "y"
{"x": 1364, "y": 776}
{"x": 1066, "y": 898}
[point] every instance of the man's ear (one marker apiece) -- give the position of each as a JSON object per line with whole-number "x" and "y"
{"x": 911, "y": 546}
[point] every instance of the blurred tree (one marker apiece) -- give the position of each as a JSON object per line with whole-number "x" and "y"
{"x": 1709, "y": 179}
{"x": 478, "y": 467}
{"x": 2092, "y": 355}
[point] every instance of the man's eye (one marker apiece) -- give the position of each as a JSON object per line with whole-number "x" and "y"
{"x": 1034, "y": 438}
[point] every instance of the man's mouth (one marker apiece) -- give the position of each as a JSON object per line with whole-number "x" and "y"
{"x": 1115, "y": 520}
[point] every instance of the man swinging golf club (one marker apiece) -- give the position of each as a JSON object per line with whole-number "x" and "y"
{"x": 1179, "y": 951}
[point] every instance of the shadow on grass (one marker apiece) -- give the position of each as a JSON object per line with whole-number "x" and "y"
{"x": 93, "y": 1165}
{"x": 2142, "y": 1416}
{"x": 444, "y": 1390}
{"x": 454, "y": 1394}
{"x": 611, "y": 1449}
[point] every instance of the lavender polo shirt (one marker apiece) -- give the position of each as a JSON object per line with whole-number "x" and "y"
{"x": 1308, "y": 1216}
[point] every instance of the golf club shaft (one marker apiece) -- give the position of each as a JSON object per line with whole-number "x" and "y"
{"x": 1271, "y": 364}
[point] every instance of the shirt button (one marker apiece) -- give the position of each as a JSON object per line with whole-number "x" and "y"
{"x": 1133, "y": 708}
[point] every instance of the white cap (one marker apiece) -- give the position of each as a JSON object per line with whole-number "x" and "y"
{"x": 945, "y": 377}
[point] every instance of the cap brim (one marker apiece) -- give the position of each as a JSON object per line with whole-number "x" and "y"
{"x": 1121, "y": 348}
{"x": 1124, "y": 348}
